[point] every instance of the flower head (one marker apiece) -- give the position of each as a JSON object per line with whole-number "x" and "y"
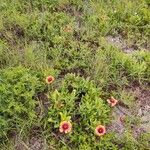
{"x": 65, "y": 126}
{"x": 49, "y": 79}
{"x": 100, "y": 130}
{"x": 112, "y": 101}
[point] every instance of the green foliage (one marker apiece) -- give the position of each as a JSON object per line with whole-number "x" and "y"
{"x": 126, "y": 97}
{"x": 78, "y": 100}
{"x": 18, "y": 87}
{"x": 128, "y": 141}
{"x": 112, "y": 67}
{"x": 59, "y": 37}
{"x": 143, "y": 141}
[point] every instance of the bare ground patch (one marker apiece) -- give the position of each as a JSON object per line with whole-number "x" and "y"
{"x": 123, "y": 44}
{"x": 141, "y": 111}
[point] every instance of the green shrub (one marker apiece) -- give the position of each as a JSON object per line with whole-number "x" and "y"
{"x": 112, "y": 66}
{"x": 18, "y": 87}
{"x": 78, "y": 100}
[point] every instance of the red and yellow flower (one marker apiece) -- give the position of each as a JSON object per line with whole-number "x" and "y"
{"x": 65, "y": 127}
{"x": 49, "y": 79}
{"x": 100, "y": 130}
{"x": 112, "y": 101}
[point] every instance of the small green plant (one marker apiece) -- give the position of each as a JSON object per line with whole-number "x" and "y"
{"x": 18, "y": 86}
{"x": 128, "y": 141}
{"x": 78, "y": 100}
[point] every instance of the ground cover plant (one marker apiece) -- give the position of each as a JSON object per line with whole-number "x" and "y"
{"x": 74, "y": 74}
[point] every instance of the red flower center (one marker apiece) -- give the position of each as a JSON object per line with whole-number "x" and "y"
{"x": 100, "y": 130}
{"x": 49, "y": 79}
{"x": 65, "y": 126}
{"x": 112, "y": 100}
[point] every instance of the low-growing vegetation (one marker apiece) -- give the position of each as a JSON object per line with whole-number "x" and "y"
{"x": 74, "y": 74}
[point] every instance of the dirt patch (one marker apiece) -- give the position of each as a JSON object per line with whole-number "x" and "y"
{"x": 42, "y": 97}
{"x": 20, "y": 146}
{"x": 17, "y": 30}
{"x": 10, "y": 34}
{"x": 117, "y": 126}
{"x": 36, "y": 143}
{"x": 142, "y": 96}
{"x": 143, "y": 100}
{"x": 123, "y": 44}
{"x": 141, "y": 112}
